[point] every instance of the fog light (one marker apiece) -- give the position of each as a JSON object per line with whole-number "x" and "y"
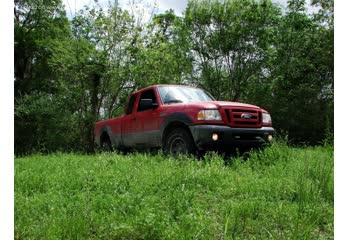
{"x": 215, "y": 137}
{"x": 269, "y": 138}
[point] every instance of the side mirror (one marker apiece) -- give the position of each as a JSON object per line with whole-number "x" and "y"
{"x": 146, "y": 104}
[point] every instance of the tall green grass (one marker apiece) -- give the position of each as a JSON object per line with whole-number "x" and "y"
{"x": 278, "y": 193}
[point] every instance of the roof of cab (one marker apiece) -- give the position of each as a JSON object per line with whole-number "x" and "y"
{"x": 159, "y": 85}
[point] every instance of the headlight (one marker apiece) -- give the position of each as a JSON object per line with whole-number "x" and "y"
{"x": 266, "y": 118}
{"x": 209, "y": 115}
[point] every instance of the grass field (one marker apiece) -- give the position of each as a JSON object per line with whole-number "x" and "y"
{"x": 280, "y": 193}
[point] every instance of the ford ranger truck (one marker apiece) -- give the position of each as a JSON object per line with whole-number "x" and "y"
{"x": 183, "y": 119}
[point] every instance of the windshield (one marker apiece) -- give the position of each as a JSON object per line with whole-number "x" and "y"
{"x": 182, "y": 94}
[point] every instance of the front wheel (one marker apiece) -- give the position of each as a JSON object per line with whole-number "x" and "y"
{"x": 179, "y": 141}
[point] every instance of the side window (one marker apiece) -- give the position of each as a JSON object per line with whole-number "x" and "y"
{"x": 149, "y": 94}
{"x": 131, "y": 104}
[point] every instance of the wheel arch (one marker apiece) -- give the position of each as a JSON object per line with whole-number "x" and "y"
{"x": 104, "y": 133}
{"x": 173, "y": 121}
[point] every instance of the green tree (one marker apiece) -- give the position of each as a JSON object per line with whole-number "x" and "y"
{"x": 229, "y": 43}
{"x": 160, "y": 57}
{"x": 302, "y": 76}
{"x": 36, "y": 24}
{"x": 92, "y": 65}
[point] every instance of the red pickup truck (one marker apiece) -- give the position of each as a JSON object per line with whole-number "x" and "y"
{"x": 182, "y": 119}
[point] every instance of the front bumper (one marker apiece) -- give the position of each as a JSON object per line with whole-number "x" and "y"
{"x": 229, "y": 137}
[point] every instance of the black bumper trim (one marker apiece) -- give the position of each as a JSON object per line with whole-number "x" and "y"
{"x": 229, "y": 137}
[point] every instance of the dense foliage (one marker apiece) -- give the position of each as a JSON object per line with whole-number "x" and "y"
{"x": 280, "y": 193}
{"x": 70, "y": 73}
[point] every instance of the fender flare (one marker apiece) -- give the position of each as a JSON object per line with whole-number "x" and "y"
{"x": 106, "y": 129}
{"x": 175, "y": 117}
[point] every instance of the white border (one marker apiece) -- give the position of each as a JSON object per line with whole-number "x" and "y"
{"x": 7, "y": 125}
{"x": 341, "y": 120}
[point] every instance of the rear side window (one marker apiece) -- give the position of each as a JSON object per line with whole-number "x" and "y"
{"x": 131, "y": 104}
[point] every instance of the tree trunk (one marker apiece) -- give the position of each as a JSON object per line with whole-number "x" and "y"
{"x": 95, "y": 83}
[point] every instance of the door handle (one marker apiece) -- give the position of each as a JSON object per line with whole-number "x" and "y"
{"x": 133, "y": 118}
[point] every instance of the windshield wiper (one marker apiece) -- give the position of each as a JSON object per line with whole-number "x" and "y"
{"x": 173, "y": 101}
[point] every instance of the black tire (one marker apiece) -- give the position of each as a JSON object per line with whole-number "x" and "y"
{"x": 179, "y": 141}
{"x": 106, "y": 145}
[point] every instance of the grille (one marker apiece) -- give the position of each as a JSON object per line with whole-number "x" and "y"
{"x": 236, "y": 117}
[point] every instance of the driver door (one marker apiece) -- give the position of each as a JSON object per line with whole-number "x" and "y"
{"x": 147, "y": 121}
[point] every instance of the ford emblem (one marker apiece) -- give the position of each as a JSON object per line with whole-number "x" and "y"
{"x": 246, "y": 116}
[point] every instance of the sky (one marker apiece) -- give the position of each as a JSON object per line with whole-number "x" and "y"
{"x": 178, "y": 6}
{"x": 73, "y": 6}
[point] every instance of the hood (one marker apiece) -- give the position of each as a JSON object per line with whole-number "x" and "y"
{"x": 218, "y": 104}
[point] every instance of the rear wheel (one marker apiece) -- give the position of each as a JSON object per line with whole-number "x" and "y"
{"x": 106, "y": 145}
{"x": 179, "y": 141}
